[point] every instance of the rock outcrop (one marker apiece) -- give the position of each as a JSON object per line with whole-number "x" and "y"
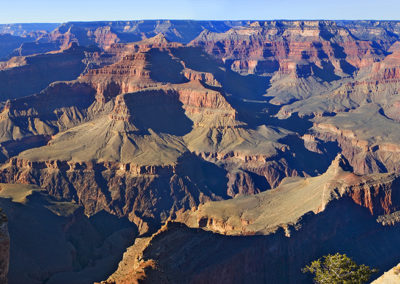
{"x": 283, "y": 206}
{"x": 343, "y": 226}
{"x": 320, "y": 213}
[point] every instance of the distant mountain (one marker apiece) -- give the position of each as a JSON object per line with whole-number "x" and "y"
{"x": 13, "y": 36}
{"x": 22, "y": 29}
{"x": 37, "y": 38}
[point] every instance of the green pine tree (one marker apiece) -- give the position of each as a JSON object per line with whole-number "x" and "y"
{"x": 338, "y": 269}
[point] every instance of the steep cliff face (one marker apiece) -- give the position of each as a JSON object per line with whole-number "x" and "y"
{"x": 377, "y": 82}
{"x": 366, "y": 136}
{"x": 292, "y": 44}
{"x": 4, "y": 247}
{"x": 303, "y": 58}
{"x": 283, "y": 206}
{"x": 29, "y": 122}
{"x": 343, "y": 226}
{"x": 146, "y": 195}
{"x": 268, "y": 228}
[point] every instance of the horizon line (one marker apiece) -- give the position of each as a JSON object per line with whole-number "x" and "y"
{"x": 199, "y": 20}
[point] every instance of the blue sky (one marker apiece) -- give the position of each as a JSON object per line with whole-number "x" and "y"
{"x": 19, "y": 11}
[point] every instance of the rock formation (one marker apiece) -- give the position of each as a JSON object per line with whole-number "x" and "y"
{"x": 283, "y": 206}
{"x": 231, "y": 128}
{"x": 318, "y": 213}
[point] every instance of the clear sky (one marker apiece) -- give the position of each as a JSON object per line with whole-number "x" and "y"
{"x": 26, "y": 11}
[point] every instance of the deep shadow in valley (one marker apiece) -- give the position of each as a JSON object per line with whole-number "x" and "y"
{"x": 343, "y": 227}
{"x": 52, "y": 241}
{"x": 306, "y": 161}
{"x": 247, "y": 94}
{"x": 249, "y": 86}
{"x": 40, "y": 71}
{"x": 159, "y": 110}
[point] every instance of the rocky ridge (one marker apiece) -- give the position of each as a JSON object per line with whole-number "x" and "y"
{"x": 149, "y": 260}
{"x": 265, "y": 212}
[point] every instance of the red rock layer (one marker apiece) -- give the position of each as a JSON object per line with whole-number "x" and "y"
{"x": 265, "y": 49}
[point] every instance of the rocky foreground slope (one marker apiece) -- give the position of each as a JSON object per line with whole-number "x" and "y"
{"x": 4, "y": 248}
{"x": 156, "y": 120}
{"x": 53, "y": 241}
{"x": 389, "y": 277}
{"x": 270, "y": 236}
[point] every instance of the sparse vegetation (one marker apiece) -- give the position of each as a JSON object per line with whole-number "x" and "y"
{"x": 396, "y": 270}
{"x": 339, "y": 269}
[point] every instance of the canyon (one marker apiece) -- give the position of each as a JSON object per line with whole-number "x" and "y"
{"x": 212, "y": 151}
